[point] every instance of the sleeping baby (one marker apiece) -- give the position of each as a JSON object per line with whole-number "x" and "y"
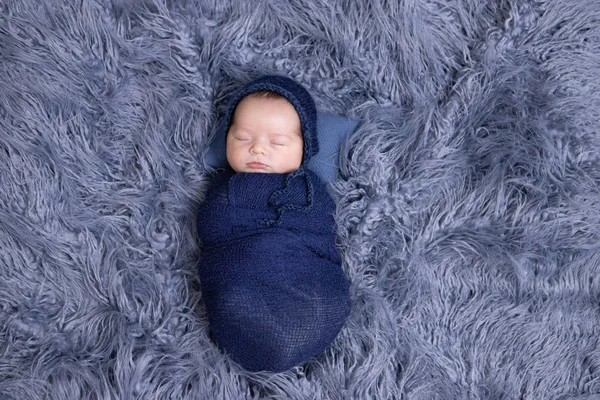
{"x": 271, "y": 277}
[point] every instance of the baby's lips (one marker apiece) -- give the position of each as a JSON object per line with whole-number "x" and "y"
{"x": 256, "y": 165}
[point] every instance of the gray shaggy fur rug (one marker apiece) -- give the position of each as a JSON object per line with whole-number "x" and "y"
{"x": 467, "y": 202}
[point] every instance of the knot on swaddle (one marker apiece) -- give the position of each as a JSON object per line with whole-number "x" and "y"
{"x": 286, "y": 199}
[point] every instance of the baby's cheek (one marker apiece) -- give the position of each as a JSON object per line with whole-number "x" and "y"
{"x": 298, "y": 155}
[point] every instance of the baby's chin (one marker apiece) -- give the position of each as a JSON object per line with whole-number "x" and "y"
{"x": 253, "y": 171}
{"x": 261, "y": 168}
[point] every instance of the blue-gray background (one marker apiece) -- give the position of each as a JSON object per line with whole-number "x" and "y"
{"x": 467, "y": 203}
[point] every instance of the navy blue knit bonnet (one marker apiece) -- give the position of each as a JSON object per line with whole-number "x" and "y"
{"x": 297, "y": 95}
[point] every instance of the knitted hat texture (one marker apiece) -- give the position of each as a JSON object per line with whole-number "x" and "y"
{"x": 296, "y": 94}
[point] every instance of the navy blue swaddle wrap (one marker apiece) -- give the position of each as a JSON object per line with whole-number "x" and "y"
{"x": 271, "y": 277}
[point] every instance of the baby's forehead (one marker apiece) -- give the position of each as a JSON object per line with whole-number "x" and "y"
{"x": 262, "y": 96}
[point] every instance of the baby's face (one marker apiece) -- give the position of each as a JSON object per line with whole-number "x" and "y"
{"x": 265, "y": 136}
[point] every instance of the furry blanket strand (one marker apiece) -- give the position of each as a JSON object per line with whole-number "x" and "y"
{"x": 467, "y": 206}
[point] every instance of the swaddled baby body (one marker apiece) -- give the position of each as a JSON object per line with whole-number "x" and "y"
{"x": 270, "y": 273}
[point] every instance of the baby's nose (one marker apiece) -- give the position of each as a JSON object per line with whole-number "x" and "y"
{"x": 257, "y": 148}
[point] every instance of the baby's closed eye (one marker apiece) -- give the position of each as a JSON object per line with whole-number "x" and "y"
{"x": 281, "y": 140}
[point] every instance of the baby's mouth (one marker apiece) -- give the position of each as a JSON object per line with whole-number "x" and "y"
{"x": 256, "y": 165}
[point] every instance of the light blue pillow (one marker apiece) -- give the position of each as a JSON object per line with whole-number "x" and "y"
{"x": 331, "y": 132}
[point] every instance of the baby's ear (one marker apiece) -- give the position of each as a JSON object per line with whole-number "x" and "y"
{"x": 332, "y": 130}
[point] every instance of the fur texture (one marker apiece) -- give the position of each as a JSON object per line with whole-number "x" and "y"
{"x": 467, "y": 206}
